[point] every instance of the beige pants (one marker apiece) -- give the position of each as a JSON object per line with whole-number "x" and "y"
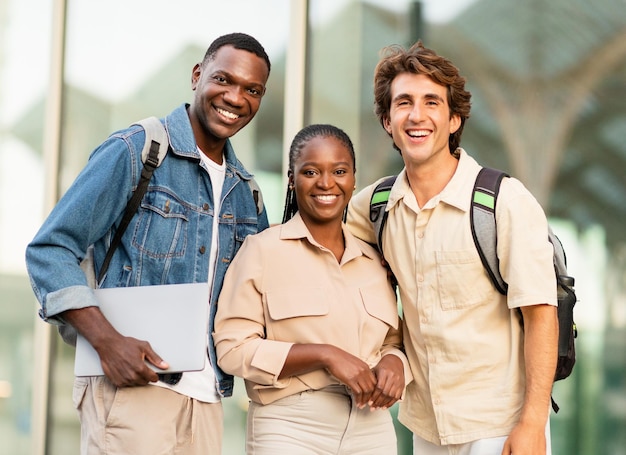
{"x": 324, "y": 422}
{"x": 144, "y": 420}
{"x": 489, "y": 446}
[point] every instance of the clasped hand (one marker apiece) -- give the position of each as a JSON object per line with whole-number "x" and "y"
{"x": 379, "y": 387}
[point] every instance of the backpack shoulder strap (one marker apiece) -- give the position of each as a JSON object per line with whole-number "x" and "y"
{"x": 560, "y": 259}
{"x": 155, "y": 133}
{"x": 483, "y": 222}
{"x": 256, "y": 195}
{"x": 378, "y": 214}
{"x": 154, "y": 151}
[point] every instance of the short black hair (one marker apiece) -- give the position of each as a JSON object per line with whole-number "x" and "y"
{"x": 238, "y": 41}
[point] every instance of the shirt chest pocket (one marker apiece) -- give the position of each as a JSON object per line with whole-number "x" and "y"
{"x": 290, "y": 303}
{"x": 461, "y": 279}
{"x": 380, "y": 302}
{"x": 297, "y": 314}
{"x": 161, "y": 230}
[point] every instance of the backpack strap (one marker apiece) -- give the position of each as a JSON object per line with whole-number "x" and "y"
{"x": 154, "y": 151}
{"x": 378, "y": 203}
{"x": 155, "y": 133}
{"x": 483, "y": 222}
{"x": 257, "y": 195}
{"x": 560, "y": 259}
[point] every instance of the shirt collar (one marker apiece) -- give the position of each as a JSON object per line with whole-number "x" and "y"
{"x": 455, "y": 193}
{"x": 183, "y": 141}
{"x": 295, "y": 229}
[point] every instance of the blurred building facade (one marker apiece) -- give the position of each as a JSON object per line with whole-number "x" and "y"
{"x": 548, "y": 81}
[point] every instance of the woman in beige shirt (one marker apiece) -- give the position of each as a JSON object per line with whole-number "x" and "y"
{"x": 308, "y": 318}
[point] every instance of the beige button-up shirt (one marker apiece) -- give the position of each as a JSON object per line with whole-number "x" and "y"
{"x": 464, "y": 343}
{"x": 284, "y": 288}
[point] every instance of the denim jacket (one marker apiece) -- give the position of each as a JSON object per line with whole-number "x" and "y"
{"x": 167, "y": 241}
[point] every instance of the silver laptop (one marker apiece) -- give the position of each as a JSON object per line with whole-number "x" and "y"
{"x": 173, "y": 318}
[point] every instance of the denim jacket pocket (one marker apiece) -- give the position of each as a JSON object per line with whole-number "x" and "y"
{"x": 242, "y": 230}
{"x": 461, "y": 279}
{"x": 161, "y": 230}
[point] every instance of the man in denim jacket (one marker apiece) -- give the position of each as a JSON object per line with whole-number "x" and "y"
{"x": 197, "y": 211}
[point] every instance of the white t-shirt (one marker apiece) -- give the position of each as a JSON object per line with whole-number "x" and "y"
{"x": 201, "y": 385}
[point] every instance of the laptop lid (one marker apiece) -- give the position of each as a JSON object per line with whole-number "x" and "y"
{"x": 173, "y": 318}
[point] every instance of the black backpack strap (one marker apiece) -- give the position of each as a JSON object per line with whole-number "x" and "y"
{"x": 483, "y": 222}
{"x": 378, "y": 214}
{"x": 154, "y": 151}
{"x": 133, "y": 205}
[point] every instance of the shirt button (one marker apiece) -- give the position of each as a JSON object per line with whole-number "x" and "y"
{"x": 424, "y": 320}
{"x": 420, "y": 278}
{"x": 420, "y": 235}
{"x": 205, "y": 206}
{"x": 202, "y": 249}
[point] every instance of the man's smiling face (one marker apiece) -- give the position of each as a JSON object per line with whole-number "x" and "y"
{"x": 419, "y": 118}
{"x": 228, "y": 91}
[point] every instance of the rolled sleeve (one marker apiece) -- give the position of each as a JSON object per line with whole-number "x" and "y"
{"x": 270, "y": 358}
{"x": 70, "y": 298}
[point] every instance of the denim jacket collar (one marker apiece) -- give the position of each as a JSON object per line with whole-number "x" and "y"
{"x": 182, "y": 140}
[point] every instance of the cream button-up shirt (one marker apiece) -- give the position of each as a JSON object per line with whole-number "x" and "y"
{"x": 463, "y": 341}
{"x": 284, "y": 288}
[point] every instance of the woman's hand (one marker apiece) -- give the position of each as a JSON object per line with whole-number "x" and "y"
{"x": 349, "y": 370}
{"x": 355, "y": 374}
{"x": 389, "y": 382}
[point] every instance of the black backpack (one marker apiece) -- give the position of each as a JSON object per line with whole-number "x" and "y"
{"x": 484, "y": 232}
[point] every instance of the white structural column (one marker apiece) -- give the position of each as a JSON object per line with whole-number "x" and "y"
{"x": 295, "y": 77}
{"x": 51, "y": 153}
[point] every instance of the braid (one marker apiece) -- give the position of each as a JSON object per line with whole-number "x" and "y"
{"x": 300, "y": 140}
{"x": 291, "y": 204}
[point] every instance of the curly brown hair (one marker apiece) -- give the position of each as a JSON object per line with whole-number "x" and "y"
{"x": 421, "y": 60}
